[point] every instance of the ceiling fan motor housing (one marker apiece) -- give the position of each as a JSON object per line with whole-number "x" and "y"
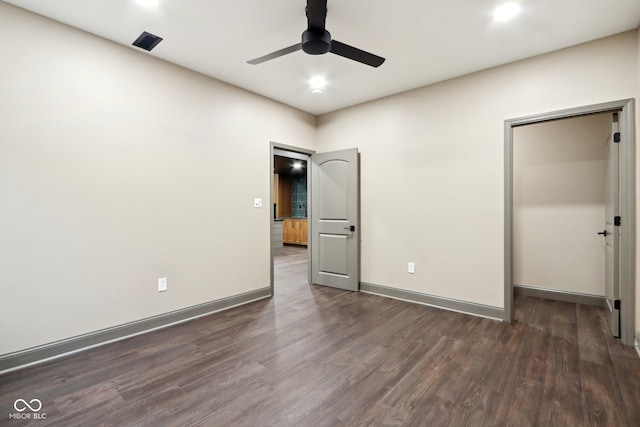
{"x": 316, "y": 43}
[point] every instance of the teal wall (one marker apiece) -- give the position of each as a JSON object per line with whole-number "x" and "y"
{"x": 299, "y": 195}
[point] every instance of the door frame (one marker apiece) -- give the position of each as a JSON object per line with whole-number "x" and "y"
{"x": 275, "y": 148}
{"x": 625, "y": 108}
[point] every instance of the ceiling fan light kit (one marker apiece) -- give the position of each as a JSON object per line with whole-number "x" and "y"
{"x": 316, "y": 40}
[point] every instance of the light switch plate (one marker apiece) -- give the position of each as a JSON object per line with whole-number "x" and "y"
{"x": 162, "y": 284}
{"x": 412, "y": 268}
{"x": 257, "y": 203}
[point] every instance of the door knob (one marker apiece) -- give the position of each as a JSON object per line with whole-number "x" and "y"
{"x": 603, "y": 233}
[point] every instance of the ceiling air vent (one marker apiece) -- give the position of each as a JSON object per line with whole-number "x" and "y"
{"x": 147, "y": 41}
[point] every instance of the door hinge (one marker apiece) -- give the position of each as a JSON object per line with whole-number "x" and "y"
{"x": 616, "y": 304}
{"x": 617, "y": 221}
{"x": 616, "y": 137}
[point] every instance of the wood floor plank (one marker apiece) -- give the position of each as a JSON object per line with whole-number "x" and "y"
{"x": 627, "y": 370}
{"x": 479, "y": 405}
{"x": 522, "y": 403}
{"x": 317, "y": 356}
{"x": 591, "y": 335}
{"x": 562, "y": 403}
{"x": 602, "y": 402}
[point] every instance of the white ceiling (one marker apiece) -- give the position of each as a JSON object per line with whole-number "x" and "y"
{"x": 423, "y": 41}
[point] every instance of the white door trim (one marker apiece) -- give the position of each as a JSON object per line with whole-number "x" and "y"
{"x": 627, "y": 205}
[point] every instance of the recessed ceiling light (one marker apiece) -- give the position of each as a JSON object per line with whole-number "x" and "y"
{"x": 317, "y": 84}
{"x": 506, "y": 11}
{"x": 148, "y": 3}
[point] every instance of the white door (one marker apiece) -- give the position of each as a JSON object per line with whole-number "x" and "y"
{"x": 335, "y": 232}
{"x": 612, "y": 232}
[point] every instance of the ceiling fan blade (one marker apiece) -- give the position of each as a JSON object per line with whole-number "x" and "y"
{"x": 276, "y": 54}
{"x": 356, "y": 54}
{"x": 316, "y": 15}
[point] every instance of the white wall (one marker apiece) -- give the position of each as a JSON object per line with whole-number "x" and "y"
{"x": 116, "y": 169}
{"x": 559, "y": 175}
{"x": 433, "y": 164}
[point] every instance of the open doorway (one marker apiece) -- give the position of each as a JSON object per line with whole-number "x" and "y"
{"x": 324, "y": 214}
{"x": 625, "y": 218}
{"x": 290, "y": 198}
{"x": 559, "y": 204}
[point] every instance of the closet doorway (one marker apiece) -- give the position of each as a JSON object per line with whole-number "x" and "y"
{"x": 622, "y": 117}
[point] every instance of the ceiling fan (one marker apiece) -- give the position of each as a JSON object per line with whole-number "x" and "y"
{"x": 316, "y": 40}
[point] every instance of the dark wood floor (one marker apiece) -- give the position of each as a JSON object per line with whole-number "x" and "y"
{"x": 315, "y": 356}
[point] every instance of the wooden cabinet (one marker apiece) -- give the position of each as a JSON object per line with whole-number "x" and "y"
{"x": 304, "y": 231}
{"x": 295, "y": 231}
{"x": 282, "y": 195}
{"x": 287, "y": 230}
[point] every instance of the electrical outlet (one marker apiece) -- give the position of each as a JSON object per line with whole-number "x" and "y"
{"x": 412, "y": 268}
{"x": 162, "y": 284}
{"x": 257, "y": 203}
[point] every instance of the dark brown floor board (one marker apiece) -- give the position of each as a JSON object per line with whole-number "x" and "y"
{"x": 317, "y": 356}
